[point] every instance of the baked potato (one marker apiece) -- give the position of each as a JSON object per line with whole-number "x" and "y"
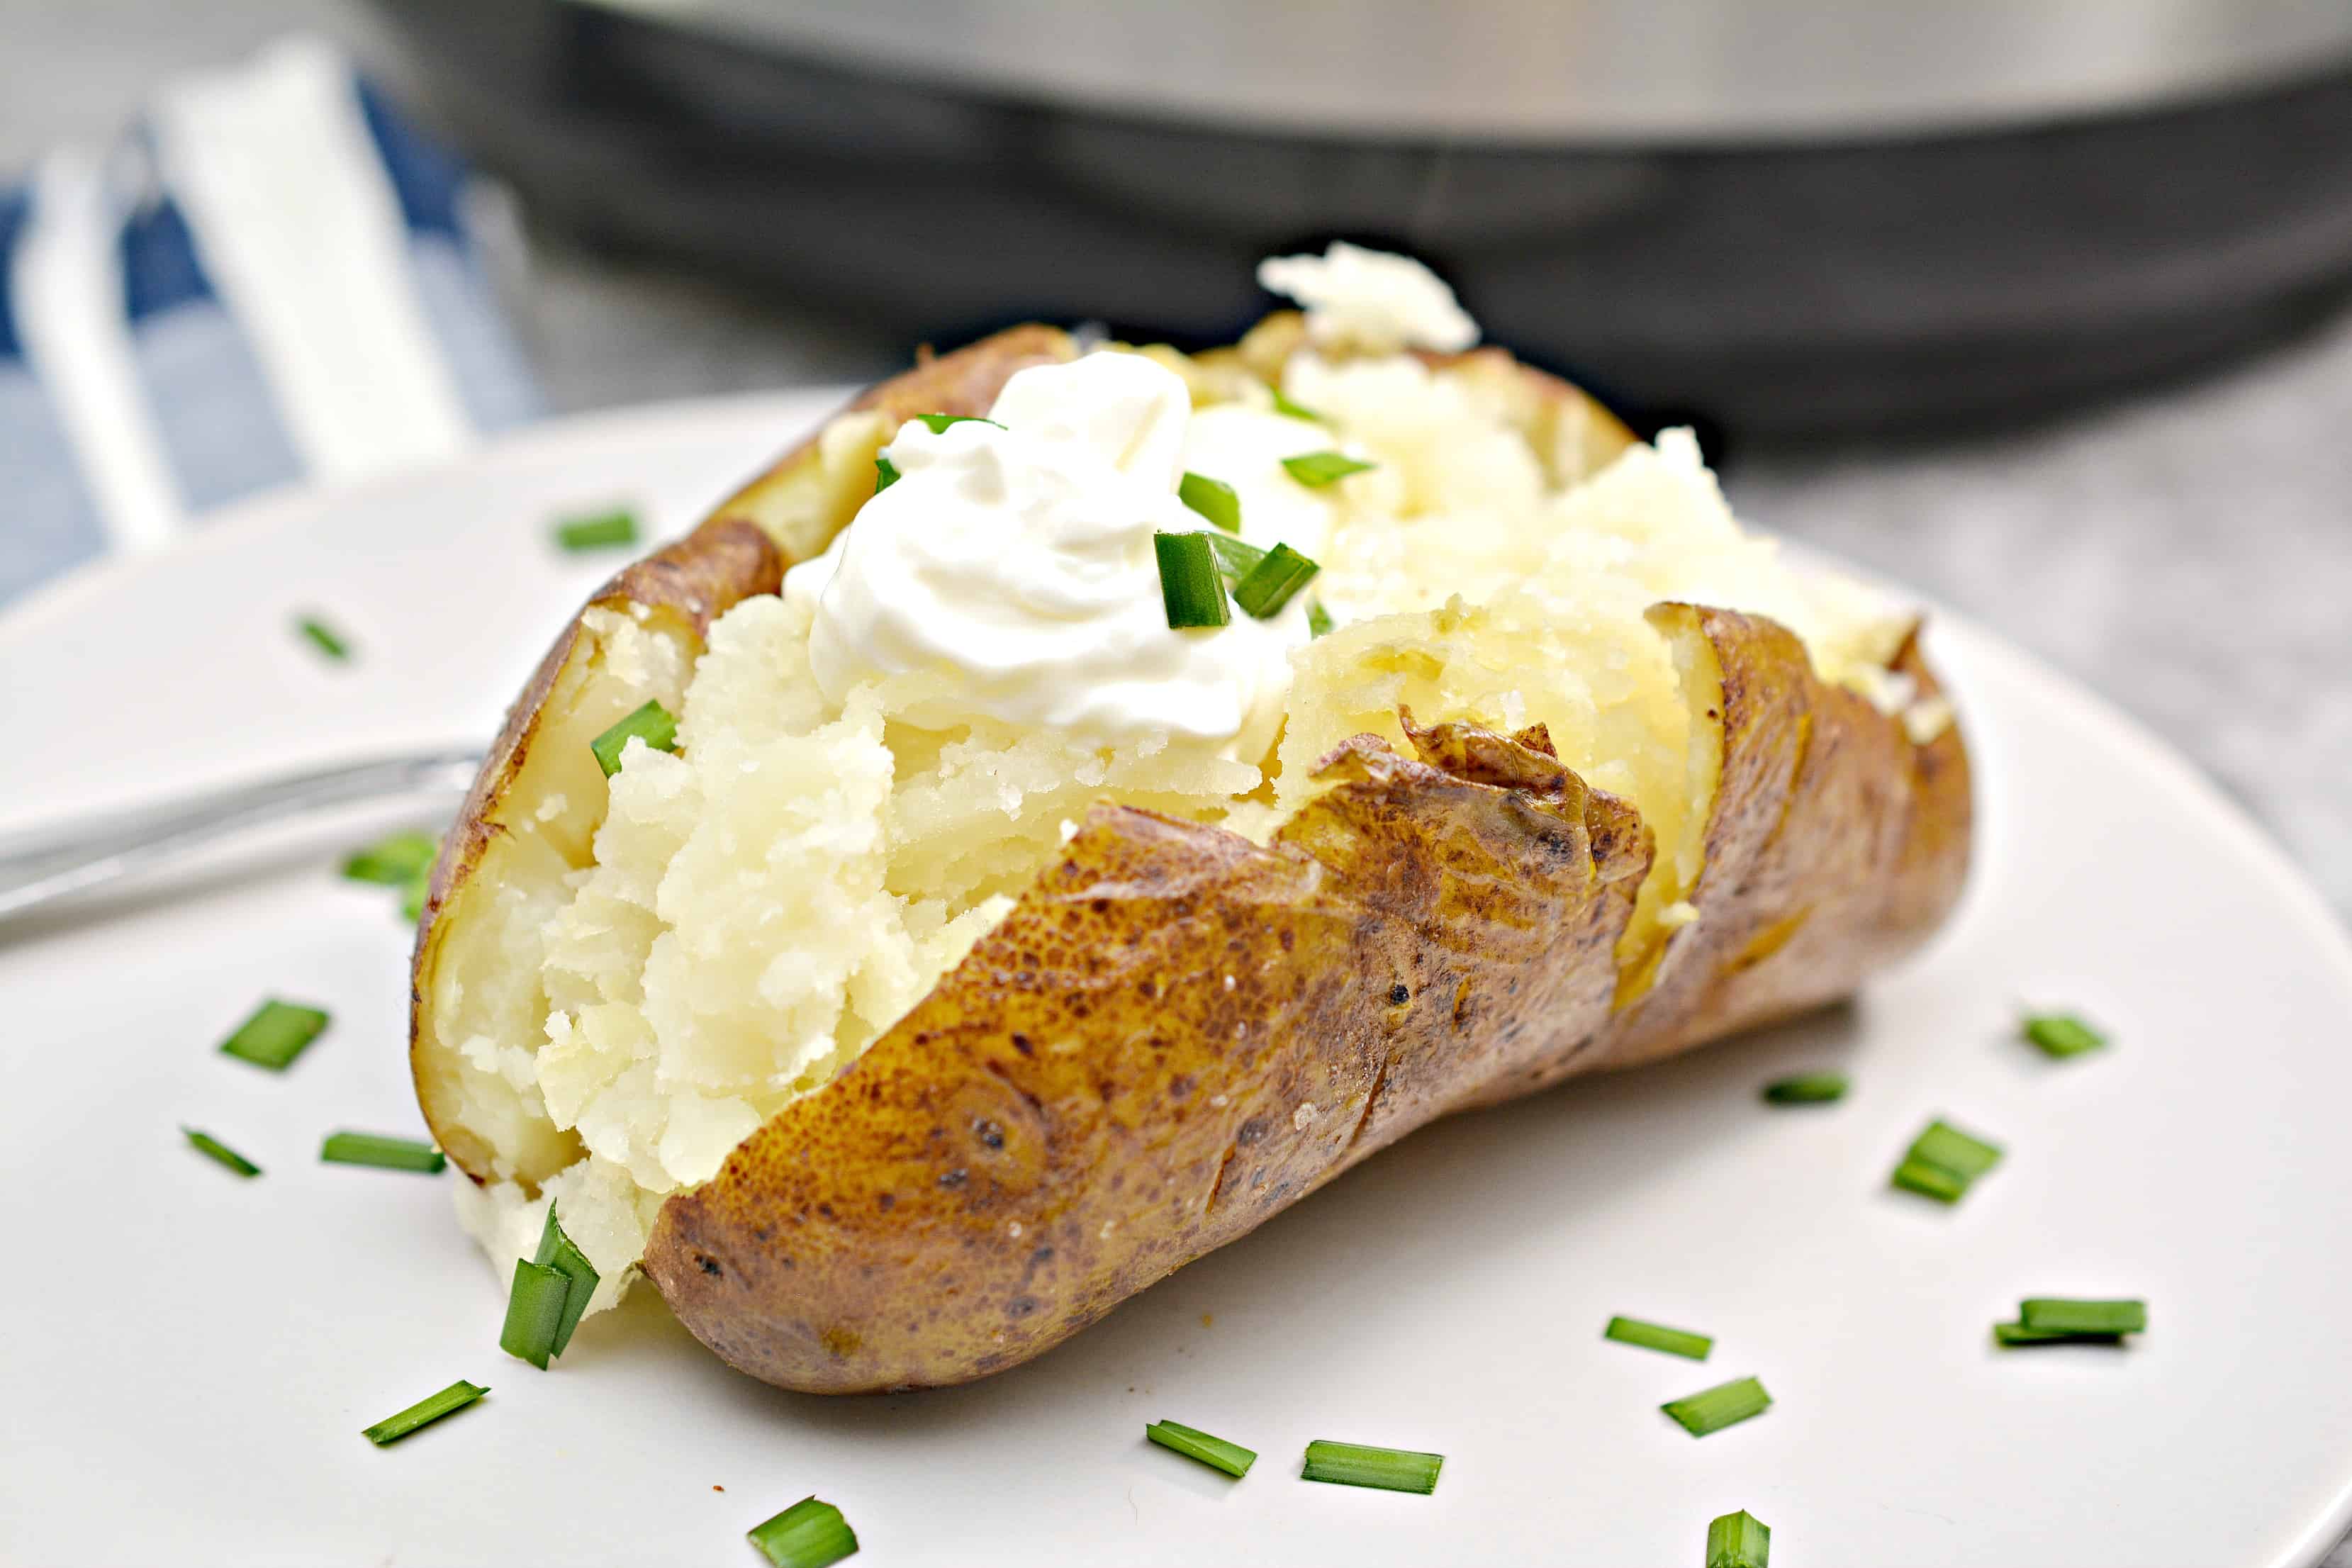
{"x": 894, "y": 1052}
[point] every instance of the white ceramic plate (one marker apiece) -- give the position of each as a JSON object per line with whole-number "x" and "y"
{"x": 186, "y": 1359}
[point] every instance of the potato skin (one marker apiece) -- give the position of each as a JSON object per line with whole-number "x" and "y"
{"x": 1176, "y": 1033}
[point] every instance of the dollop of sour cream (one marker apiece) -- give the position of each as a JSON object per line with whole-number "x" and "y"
{"x": 1370, "y": 300}
{"x": 1011, "y": 562}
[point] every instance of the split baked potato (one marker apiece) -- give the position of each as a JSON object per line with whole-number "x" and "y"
{"x": 893, "y": 1056}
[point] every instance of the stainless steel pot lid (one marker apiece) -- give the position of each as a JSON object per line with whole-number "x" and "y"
{"x": 1551, "y": 70}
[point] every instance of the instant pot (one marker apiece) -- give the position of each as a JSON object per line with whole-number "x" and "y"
{"x": 1784, "y": 216}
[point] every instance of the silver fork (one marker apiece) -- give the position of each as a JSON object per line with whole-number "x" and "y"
{"x": 39, "y": 868}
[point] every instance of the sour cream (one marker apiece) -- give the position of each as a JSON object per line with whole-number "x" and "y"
{"x": 1370, "y": 300}
{"x": 1012, "y": 563}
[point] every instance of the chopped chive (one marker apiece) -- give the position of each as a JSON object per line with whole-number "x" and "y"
{"x": 1942, "y": 1163}
{"x": 1319, "y": 468}
{"x": 1212, "y": 498}
{"x": 1274, "y": 582}
{"x": 384, "y": 1152}
{"x": 274, "y": 1034}
{"x": 651, "y": 723}
{"x": 938, "y": 422}
{"x": 1195, "y": 1444}
{"x": 1355, "y": 1464}
{"x": 809, "y": 1534}
{"x": 1189, "y": 582}
{"x": 2062, "y": 1035}
{"x": 1657, "y": 1337}
{"x": 412, "y": 895}
{"x": 598, "y": 530}
{"x": 1738, "y": 1541}
{"x": 323, "y": 638}
{"x": 886, "y": 474}
{"x": 1318, "y": 619}
{"x": 393, "y": 860}
{"x": 2058, "y": 1315}
{"x": 1236, "y": 558}
{"x": 1290, "y": 410}
{"x": 2010, "y": 1335}
{"x": 534, "y": 1312}
{"x": 1806, "y": 1088}
{"x": 222, "y": 1151}
{"x": 423, "y": 1413}
{"x": 1725, "y": 1405}
{"x": 557, "y": 1251}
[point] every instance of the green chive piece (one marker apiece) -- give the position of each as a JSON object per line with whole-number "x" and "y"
{"x": 222, "y": 1151}
{"x": 651, "y": 723}
{"x": 557, "y": 1251}
{"x": 1274, "y": 582}
{"x": 2010, "y": 1335}
{"x": 1290, "y": 410}
{"x": 323, "y": 638}
{"x": 2062, "y": 1035}
{"x": 1725, "y": 1405}
{"x": 1656, "y": 1337}
{"x": 423, "y": 1413}
{"x": 1738, "y": 1541}
{"x": 1195, "y": 1444}
{"x": 534, "y": 1312}
{"x": 938, "y": 422}
{"x": 1212, "y": 498}
{"x": 384, "y": 1152}
{"x": 274, "y": 1034}
{"x": 1236, "y": 558}
{"x": 1806, "y": 1088}
{"x": 412, "y": 895}
{"x": 1189, "y": 582}
{"x": 394, "y": 861}
{"x": 1318, "y": 619}
{"x": 1319, "y": 468}
{"x": 597, "y": 530}
{"x": 2058, "y": 1315}
{"x": 1355, "y": 1464}
{"x": 809, "y": 1534}
{"x": 886, "y": 474}
{"x": 1942, "y": 1163}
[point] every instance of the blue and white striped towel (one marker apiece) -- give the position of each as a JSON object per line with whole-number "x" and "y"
{"x": 268, "y": 280}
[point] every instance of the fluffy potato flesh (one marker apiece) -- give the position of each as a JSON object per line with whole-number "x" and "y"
{"x": 629, "y": 981}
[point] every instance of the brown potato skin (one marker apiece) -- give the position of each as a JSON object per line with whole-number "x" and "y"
{"x": 1176, "y": 1033}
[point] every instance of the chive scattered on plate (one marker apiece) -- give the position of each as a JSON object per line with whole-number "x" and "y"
{"x": 2059, "y": 1315}
{"x": 534, "y": 1312}
{"x": 1190, "y": 583}
{"x": 222, "y": 1151}
{"x": 1318, "y": 619}
{"x": 1738, "y": 1541}
{"x": 809, "y": 1534}
{"x": 597, "y": 530}
{"x": 1942, "y": 1163}
{"x": 323, "y": 638}
{"x": 1806, "y": 1088}
{"x": 938, "y": 422}
{"x": 1356, "y": 1465}
{"x": 1725, "y": 1405}
{"x": 1290, "y": 410}
{"x": 1657, "y": 1337}
{"x": 2062, "y": 1035}
{"x": 395, "y": 860}
{"x": 1274, "y": 582}
{"x": 383, "y": 1153}
{"x": 557, "y": 1251}
{"x": 1195, "y": 1444}
{"x": 1212, "y": 498}
{"x": 425, "y": 1412}
{"x": 886, "y": 474}
{"x": 2010, "y": 1336}
{"x": 412, "y": 895}
{"x": 652, "y": 723}
{"x": 276, "y": 1034}
{"x": 1320, "y": 468}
